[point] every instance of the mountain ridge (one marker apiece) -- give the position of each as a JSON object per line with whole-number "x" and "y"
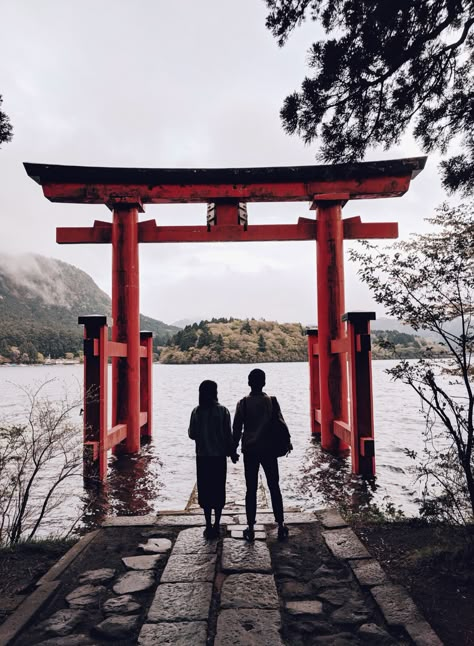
{"x": 41, "y": 299}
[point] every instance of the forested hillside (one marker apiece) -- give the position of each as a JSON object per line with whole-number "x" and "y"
{"x": 40, "y": 300}
{"x": 236, "y": 341}
{"x": 251, "y": 341}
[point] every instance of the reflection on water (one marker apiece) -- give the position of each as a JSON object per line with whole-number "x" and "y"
{"x": 132, "y": 485}
{"x": 163, "y": 475}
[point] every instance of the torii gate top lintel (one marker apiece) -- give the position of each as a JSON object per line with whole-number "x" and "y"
{"x": 99, "y": 185}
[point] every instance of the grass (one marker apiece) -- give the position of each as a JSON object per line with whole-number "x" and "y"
{"x": 49, "y": 545}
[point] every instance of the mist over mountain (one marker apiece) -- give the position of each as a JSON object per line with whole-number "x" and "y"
{"x": 41, "y": 298}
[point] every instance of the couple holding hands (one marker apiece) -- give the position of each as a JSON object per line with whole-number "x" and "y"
{"x": 256, "y": 419}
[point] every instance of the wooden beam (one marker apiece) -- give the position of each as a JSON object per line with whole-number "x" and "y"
{"x": 367, "y": 188}
{"x": 116, "y": 434}
{"x": 95, "y": 185}
{"x": 100, "y": 233}
{"x": 117, "y": 349}
{"x": 355, "y": 229}
{"x": 339, "y": 345}
{"x": 342, "y": 430}
{"x": 304, "y": 230}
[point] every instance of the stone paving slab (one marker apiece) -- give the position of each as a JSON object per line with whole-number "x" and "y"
{"x": 344, "y": 544}
{"x": 422, "y": 634}
{"x": 97, "y": 576}
{"x": 72, "y": 640}
{"x": 306, "y": 607}
{"x": 192, "y": 541}
{"x": 248, "y": 627}
{"x": 156, "y": 545}
{"x": 368, "y": 572}
{"x": 181, "y": 602}
{"x": 249, "y": 590}
{"x": 174, "y": 634}
{"x": 259, "y": 536}
{"x": 63, "y": 622}
{"x": 240, "y": 528}
{"x": 290, "y": 518}
{"x": 331, "y": 519}
{"x": 189, "y": 567}
{"x": 122, "y": 605}
{"x": 134, "y": 581}
{"x": 373, "y": 634}
{"x": 241, "y": 556}
{"x": 116, "y": 627}
{"x": 186, "y": 520}
{"x": 129, "y": 521}
{"x": 354, "y": 612}
{"x": 147, "y": 562}
{"x": 396, "y": 605}
{"x": 86, "y": 596}
{"x": 399, "y": 609}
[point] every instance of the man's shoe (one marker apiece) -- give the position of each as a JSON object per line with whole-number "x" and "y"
{"x": 282, "y": 532}
{"x": 249, "y": 534}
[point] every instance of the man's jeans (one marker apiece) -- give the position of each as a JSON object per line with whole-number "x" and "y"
{"x": 270, "y": 466}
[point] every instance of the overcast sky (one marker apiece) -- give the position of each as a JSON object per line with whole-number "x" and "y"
{"x": 154, "y": 83}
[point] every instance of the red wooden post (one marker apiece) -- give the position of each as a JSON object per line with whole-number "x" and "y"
{"x": 146, "y": 382}
{"x": 126, "y": 322}
{"x": 360, "y": 380}
{"x": 95, "y": 395}
{"x": 315, "y": 400}
{"x": 330, "y": 298}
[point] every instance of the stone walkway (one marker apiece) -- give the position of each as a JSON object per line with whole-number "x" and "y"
{"x": 174, "y": 587}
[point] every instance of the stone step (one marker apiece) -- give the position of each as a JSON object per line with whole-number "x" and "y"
{"x": 241, "y": 556}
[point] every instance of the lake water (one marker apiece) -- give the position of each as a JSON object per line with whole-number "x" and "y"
{"x": 163, "y": 475}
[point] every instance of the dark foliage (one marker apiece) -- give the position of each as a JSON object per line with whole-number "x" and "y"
{"x": 427, "y": 282}
{"x": 384, "y": 67}
{"x": 6, "y": 130}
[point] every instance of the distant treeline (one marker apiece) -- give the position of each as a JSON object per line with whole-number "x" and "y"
{"x": 24, "y": 343}
{"x": 230, "y": 340}
{"x": 220, "y": 340}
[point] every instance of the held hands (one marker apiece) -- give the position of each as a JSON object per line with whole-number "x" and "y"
{"x": 290, "y": 449}
{"x": 235, "y": 457}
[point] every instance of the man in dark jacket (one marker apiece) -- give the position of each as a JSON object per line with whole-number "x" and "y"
{"x": 254, "y": 414}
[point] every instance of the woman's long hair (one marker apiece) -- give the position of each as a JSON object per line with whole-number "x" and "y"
{"x": 207, "y": 393}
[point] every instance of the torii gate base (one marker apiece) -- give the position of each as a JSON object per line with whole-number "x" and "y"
{"x": 98, "y": 437}
{"x": 226, "y": 193}
{"x": 358, "y": 431}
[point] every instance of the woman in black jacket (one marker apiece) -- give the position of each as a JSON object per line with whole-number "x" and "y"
{"x": 210, "y": 428}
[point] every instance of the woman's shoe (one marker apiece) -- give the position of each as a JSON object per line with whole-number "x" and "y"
{"x": 282, "y": 532}
{"x": 249, "y": 534}
{"x": 208, "y": 533}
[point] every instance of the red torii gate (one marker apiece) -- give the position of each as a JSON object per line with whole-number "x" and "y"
{"x": 226, "y": 191}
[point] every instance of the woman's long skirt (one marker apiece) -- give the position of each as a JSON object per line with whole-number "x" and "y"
{"x": 211, "y": 479}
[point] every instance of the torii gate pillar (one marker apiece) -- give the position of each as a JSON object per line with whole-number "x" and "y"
{"x": 126, "y": 318}
{"x": 330, "y": 299}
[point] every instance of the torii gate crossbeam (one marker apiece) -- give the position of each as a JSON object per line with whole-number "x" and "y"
{"x": 226, "y": 191}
